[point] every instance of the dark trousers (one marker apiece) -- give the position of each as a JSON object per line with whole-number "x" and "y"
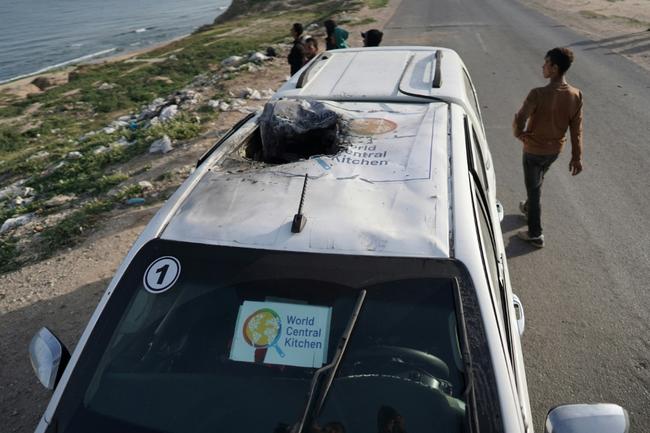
{"x": 535, "y": 167}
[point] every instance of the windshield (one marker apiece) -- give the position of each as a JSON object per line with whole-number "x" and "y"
{"x": 232, "y": 340}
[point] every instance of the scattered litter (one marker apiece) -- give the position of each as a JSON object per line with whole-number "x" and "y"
{"x": 168, "y": 113}
{"x": 162, "y": 145}
{"x": 87, "y": 135}
{"x": 117, "y": 124}
{"x": 255, "y": 95}
{"x": 74, "y": 155}
{"x": 135, "y": 201}
{"x": 232, "y": 61}
{"x": 152, "y": 109}
{"x": 267, "y": 93}
{"x": 18, "y": 221}
{"x": 59, "y": 200}
{"x": 101, "y": 149}
{"x": 106, "y": 86}
{"x": 224, "y": 106}
{"x": 39, "y": 155}
{"x": 12, "y": 190}
{"x": 23, "y": 201}
{"x": 109, "y": 130}
{"x": 257, "y": 57}
{"x": 145, "y": 185}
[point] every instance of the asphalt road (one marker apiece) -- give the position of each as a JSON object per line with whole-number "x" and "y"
{"x": 587, "y": 294}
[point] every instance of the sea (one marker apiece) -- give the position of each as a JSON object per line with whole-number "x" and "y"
{"x": 39, "y": 35}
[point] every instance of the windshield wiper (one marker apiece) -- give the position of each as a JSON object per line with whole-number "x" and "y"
{"x": 314, "y": 405}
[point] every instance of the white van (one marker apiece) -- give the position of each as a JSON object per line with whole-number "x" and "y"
{"x": 355, "y": 281}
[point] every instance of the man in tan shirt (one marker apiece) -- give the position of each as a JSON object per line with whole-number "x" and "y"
{"x": 541, "y": 124}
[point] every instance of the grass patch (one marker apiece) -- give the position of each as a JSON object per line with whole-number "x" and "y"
{"x": 376, "y": 4}
{"x": 72, "y": 229}
{"x": 8, "y": 255}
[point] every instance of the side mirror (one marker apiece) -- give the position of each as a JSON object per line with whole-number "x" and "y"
{"x": 500, "y": 211}
{"x": 48, "y": 356}
{"x": 519, "y": 314}
{"x": 587, "y": 418}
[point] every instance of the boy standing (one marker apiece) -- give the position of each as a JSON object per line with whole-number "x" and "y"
{"x": 541, "y": 124}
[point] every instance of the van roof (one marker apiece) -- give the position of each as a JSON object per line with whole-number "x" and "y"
{"x": 406, "y": 74}
{"x": 386, "y": 193}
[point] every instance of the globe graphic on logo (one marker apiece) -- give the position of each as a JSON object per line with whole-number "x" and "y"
{"x": 262, "y": 328}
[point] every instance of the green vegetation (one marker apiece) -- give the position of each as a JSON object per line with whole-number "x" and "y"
{"x": 37, "y": 132}
{"x": 375, "y": 4}
{"x": 8, "y": 255}
{"x": 71, "y": 230}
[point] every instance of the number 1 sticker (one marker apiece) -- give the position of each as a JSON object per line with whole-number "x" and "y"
{"x": 162, "y": 274}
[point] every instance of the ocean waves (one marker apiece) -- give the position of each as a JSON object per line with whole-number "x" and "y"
{"x": 40, "y": 35}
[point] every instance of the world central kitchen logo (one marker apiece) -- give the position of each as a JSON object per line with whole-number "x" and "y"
{"x": 263, "y": 329}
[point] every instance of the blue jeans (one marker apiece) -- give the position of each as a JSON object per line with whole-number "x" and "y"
{"x": 535, "y": 167}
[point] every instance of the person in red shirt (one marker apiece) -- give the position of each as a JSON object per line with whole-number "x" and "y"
{"x": 541, "y": 124}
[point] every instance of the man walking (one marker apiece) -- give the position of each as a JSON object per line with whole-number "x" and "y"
{"x": 541, "y": 124}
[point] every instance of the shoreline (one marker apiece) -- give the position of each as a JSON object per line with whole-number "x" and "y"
{"x": 103, "y": 56}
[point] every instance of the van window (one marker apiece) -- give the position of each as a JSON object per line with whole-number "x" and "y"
{"x": 496, "y": 279}
{"x": 235, "y": 335}
{"x": 476, "y": 156}
{"x": 489, "y": 251}
{"x": 471, "y": 95}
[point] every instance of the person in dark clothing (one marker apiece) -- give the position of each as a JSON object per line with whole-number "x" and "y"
{"x": 296, "y": 56}
{"x": 336, "y": 36}
{"x": 372, "y": 38}
{"x": 541, "y": 124}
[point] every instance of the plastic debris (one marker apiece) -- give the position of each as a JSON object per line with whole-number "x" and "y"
{"x": 18, "y": 221}
{"x": 258, "y": 57}
{"x": 168, "y": 113}
{"x": 162, "y": 145}
{"x": 135, "y": 201}
{"x": 232, "y": 61}
{"x": 145, "y": 185}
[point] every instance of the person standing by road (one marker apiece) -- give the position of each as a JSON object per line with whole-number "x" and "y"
{"x": 336, "y": 36}
{"x": 372, "y": 38}
{"x": 296, "y": 57}
{"x": 541, "y": 124}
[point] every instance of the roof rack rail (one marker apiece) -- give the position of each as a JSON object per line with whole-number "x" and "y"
{"x": 304, "y": 77}
{"x": 437, "y": 78}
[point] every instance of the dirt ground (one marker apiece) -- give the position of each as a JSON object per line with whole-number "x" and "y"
{"x": 63, "y": 291}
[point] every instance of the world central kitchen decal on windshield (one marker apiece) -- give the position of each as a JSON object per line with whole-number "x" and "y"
{"x": 280, "y": 333}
